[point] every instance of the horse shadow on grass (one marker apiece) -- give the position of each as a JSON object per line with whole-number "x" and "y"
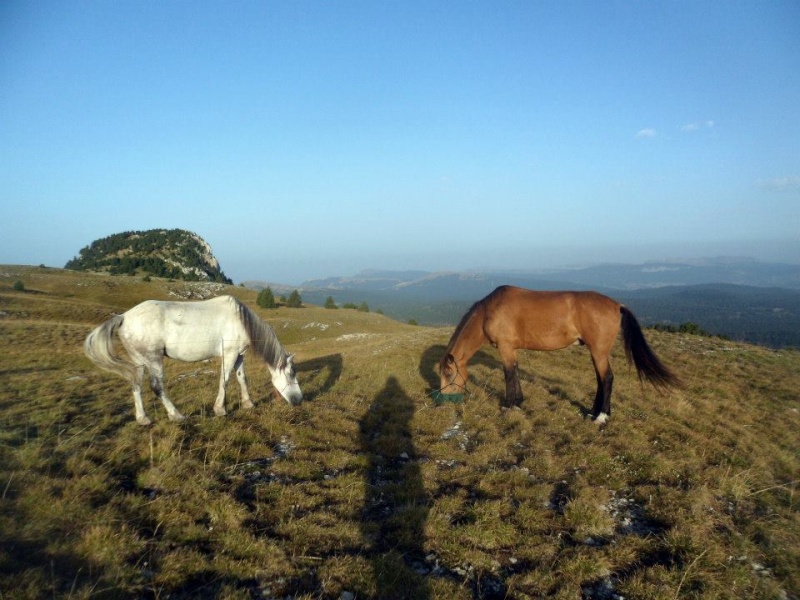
{"x": 328, "y": 369}
{"x": 429, "y": 364}
{"x": 429, "y": 370}
{"x": 395, "y": 504}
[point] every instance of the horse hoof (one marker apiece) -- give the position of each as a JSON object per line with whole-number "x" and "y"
{"x": 601, "y": 419}
{"x": 248, "y": 406}
{"x": 177, "y": 418}
{"x": 143, "y": 421}
{"x": 220, "y": 412}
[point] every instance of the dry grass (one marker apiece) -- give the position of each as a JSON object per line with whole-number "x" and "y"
{"x": 370, "y": 489}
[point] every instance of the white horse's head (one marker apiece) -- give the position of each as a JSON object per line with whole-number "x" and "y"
{"x": 284, "y": 378}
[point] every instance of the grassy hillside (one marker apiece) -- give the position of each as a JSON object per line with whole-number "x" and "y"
{"x": 368, "y": 490}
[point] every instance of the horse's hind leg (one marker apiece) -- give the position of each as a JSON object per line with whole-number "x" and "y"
{"x": 156, "y": 369}
{"x": 138, "y": 404}
{"x": 601, "y": 411}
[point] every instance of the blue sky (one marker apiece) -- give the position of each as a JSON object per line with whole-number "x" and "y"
{"x": 307, "y": 139}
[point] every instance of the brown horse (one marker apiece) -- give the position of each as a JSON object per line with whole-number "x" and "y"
{"x": 512, "y": 318}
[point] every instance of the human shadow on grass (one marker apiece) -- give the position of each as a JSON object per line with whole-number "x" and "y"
{"x": 395, "y": 503}
{"x": 31, "y": 560}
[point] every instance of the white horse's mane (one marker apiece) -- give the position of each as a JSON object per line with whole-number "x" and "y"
{"x": 262, "y": 337}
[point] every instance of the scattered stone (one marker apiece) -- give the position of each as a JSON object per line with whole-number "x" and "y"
{"x": 760, "y": 569}
{"x": 348, "y": 337}
{"x": 590, "y": 541}
{"x": 602, "y": 590}
{"x": 446, "y": 464}
{"x": 420, "y": 568}
{"x": 631, "y": 518}
{"x": 452, "y": 432}
{"x": 284, "y": 447}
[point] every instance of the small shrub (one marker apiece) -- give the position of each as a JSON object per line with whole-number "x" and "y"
{"x": 294, "y": 301}
{"x": 266, "y": 299}
{"x": 19, "y": 286}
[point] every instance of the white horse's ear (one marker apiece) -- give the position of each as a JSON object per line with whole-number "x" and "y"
{"x": 286, "y": 362}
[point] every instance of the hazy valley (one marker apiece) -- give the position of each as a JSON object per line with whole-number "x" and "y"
{"x": 741, "y": 299}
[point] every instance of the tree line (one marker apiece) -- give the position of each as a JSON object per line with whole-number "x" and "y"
{"x": 266, "y": 299}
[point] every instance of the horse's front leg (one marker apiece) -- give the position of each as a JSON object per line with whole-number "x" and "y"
{"x": 228, "y": 364}
{"x": 239, "y": 366}
{"x": 511, "y": 373}
{"x": 513, "y": 387}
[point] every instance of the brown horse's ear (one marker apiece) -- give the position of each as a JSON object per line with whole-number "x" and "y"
{"x": 447, "y": 363}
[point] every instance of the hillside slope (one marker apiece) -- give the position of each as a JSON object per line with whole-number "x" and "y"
{"x": 371, "y": 490}
{"x": 768, "y": 316}
{"x": 172, "y": 253}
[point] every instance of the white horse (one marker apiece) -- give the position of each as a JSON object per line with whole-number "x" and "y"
{"x": 190, "y": 331}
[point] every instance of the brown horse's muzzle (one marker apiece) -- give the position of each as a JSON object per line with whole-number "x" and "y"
{"x": 452, "y": 379}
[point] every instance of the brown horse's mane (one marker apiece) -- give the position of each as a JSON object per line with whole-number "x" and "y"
{"x": 479, "y": 305}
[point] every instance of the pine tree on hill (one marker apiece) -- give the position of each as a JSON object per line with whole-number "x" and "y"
{"x": 294, "y": 301}
{"x": 266, "y": 299}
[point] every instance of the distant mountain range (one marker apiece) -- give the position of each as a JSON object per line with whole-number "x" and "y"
{"x": 739, "y": 298}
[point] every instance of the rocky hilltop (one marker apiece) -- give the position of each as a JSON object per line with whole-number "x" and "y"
{"x": 171, "y": 253}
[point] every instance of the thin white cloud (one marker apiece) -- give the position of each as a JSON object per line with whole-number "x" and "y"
{"x": 692, "y": 127}
{"x": 780, "y": 184}
{"x": 648, "y": 132}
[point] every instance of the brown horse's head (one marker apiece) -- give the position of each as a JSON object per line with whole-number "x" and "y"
{"x": 453, "y": 376}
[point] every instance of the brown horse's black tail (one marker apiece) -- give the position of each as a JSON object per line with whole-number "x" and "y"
{"x": 648, "y": 366}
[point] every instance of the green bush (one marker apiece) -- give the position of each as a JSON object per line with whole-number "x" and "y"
{"x": 294, "y": 301}
{"x": 266, "y": 299}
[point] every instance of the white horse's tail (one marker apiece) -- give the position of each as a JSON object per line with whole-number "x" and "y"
{"x": 99, "y": 348}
